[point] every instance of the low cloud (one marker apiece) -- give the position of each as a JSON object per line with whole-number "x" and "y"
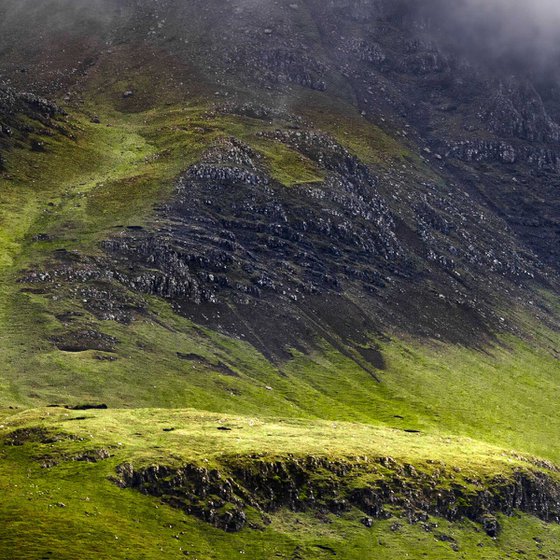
{"x": 503, "y": 30}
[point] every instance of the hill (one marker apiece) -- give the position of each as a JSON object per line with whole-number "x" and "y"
{"x": 277, "y": 278}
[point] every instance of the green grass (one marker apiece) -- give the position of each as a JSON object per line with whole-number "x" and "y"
{"x": 195, "y": 438}
{"x": 73, "y": 509}
{"x": 500, "y": 394}
{"x": 368, "y": 142}
{"x": 480, "y": 410}
{"x": 286, "y": 165}
{"x": 433, "y": 388}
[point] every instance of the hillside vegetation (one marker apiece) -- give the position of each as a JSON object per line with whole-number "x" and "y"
{"x": 277, "y": 284}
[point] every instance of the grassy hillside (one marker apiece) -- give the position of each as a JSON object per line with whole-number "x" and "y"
{"x": 170, "y": 383}
{"x": 57, "y": 504}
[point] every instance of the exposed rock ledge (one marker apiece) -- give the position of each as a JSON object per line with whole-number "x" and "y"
{"x": 249, "y": 488}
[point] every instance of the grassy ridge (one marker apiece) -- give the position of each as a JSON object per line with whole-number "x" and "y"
{"x": 72, "y": 509}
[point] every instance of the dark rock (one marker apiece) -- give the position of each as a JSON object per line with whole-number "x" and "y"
{"x": 84, "y": 340}
{"x": 490, "y": 525}
{"x": 22, "y": 436}
{"x": 92, "y": 455}
{"x": 37, "y": 146}
{"x": 87, "y": 407}
{"x": 322, "y": 485}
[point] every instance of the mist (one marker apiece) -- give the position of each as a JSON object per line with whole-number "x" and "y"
{"x": 518, "y": 35}
{"x": 500, "y": 31}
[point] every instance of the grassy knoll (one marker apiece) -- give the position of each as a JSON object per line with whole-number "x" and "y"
{"x": 72, "y": 509}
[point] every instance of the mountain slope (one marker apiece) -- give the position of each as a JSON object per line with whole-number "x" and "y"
{"x": 323, "y": 212}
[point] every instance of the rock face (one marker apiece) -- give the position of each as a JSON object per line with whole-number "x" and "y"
{"x": 243, "y": 493}
{"x": 240, "y": 231}
{"x": 21, "y": 115}
{"x": 236, "y": 243}
{"x": 238, "y": 237}
{"x": 494, "y": 130}
{"x": 330, "y": 260}
{"x": 13, "y": 103}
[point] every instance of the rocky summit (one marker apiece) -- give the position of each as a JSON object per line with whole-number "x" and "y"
{"x": 279, "y": 279}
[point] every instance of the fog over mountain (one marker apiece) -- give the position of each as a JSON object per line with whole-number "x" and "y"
{"x": 516, "y": 34}
{"x": 507, "y": 30}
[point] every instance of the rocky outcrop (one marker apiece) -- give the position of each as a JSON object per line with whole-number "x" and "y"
{"x": 280, "y": 66}
{"x": 13, "y": 103}
{"x": 542, "y": 159}
{"x": 83, "y": 340}
{"x": 246, "y": 490}
{"x": 517, "y": 110}
{"x": 23, "y": 114}
{"x": 233, "y": 243}
{"x": 237, "y": 236}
